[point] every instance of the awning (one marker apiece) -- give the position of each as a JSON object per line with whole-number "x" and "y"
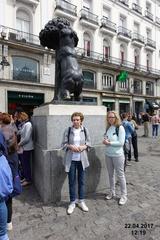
{"x": 124, "y": 101}
{"x": 153, "y": 104}
{"x": 108, "y": 100}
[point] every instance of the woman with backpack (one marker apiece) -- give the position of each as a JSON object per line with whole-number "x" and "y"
{"x": 76, "y": 142}
{"x": 6, "y": 189}
{"x": 114, "y": 139}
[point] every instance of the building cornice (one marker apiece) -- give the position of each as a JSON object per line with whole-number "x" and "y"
{"x": 12, "y": 82}
{"x": 32, "y": 3}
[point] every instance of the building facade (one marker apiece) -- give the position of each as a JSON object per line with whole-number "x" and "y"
{"x": 114, "y": 36}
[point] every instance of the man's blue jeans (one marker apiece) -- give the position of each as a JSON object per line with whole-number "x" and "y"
{"x": 76, "y": 168}
{"x": 3, "y": 221}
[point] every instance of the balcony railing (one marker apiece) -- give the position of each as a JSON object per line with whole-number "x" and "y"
{"x": 123, "y": 86}
{"x": 66, "y": 7}
{"x": 108, "y": 88}
{"x": 92, "y": 57}
{"x": 150, "y": 42}
{"x": 137, "y": 37}
{"x": 99, "y": 58}
{"x": 125, "y": 2}
{"x": 108, "y": 24}
{"x": 16, "y": 35}
{"x": 90, "y": 17}
{"x": 158, "y": 20}
{"x": 136, "y": 8}
{"x": 149, "y": 15}
{"x": 124, "y": 31}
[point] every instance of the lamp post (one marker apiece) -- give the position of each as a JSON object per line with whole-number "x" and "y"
{"x": 4, "y": 61}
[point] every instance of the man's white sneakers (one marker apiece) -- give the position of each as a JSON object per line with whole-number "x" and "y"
{"x": 71, "y": 208}
{"x": 122, "y": 200}
{"x": 110, "y": 196}
{"x": 83, "y": 206}
{"x": 9, "y": 226}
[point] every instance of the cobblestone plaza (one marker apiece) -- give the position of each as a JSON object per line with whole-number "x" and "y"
{"x": 106, "y": 220}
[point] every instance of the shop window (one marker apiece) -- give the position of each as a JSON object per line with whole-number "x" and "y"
{"x": 89, "y": 79}
{"x": 90, "y": 100}
{"x": 25, "y": 69}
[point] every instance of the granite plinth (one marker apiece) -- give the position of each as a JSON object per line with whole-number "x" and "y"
{"x": 49, "y": 122}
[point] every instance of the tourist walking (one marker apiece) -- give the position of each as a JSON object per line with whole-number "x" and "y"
{"x": 129, "y": 130}
{"x": 145, "y": 120}
{"x": 134, "y": 139}
{"x": 114, "y": 139}
{"x": 76, "y": 142}
{"x": 155, "y": 125}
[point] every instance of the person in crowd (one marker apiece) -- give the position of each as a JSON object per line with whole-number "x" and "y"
{"x": 140, "y": 118}
{"x": 8, "y": 131}
{"x": 6, "y": 188}
{"x": 134, "y": 139}
{"x": 115, "y": 155}
{"x": 76, "y": 142}
{"x": 133, "y": 116}
{"x": 129, "y": 130}
{"x": 3, "y": 145}
{"x": 16, "y": 117}
{"x": 13, "y": 124}
{"x": 25, "y": 147}
{"x": 155, "y": 125}
{"x": 145, "y": 120}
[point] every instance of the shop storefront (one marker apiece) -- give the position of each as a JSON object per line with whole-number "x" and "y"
{"x": 109, "y": 103}
{"x": 124, "y": 106}
{"x": 26, "y": 100}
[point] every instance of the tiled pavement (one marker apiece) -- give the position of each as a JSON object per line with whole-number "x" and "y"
{"x": 106, "y": 220}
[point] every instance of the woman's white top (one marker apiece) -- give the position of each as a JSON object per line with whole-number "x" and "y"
{"x": 76, "y": 156}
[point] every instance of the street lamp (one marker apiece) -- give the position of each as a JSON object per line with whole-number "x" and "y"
{"x": 4, "y": 61}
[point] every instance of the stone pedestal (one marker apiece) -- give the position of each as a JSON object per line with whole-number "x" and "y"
{"x": 49, "y": 122}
